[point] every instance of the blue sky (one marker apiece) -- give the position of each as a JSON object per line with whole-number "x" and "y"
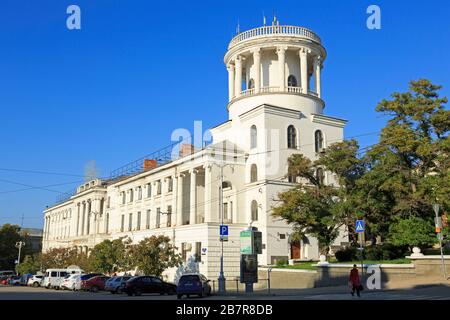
{"x": 115, "y": 90}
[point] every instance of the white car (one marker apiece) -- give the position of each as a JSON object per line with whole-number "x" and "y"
{"x": 35, "y": 281}
{"x": 71, "y": 282}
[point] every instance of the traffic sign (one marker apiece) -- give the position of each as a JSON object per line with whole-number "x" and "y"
{"x": 223, "y": 232}
{"x": 360, "y": 226}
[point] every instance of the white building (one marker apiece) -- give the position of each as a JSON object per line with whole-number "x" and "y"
{"x": 275, "y": 109}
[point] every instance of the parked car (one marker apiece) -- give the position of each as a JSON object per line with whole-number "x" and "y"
{"x": 53, "y": 278}
{"x": 148, "y": 284}
{"x": 87, "y": 276}
{"x": 116, "y": 284}
{"x": 35, "y": 280}
{"x": 15, "y": 281}
{"x": 193, "y": 283}
{"x": 94, "y": 284}
{"x": 6, "y": 273}
{"x": 71, "y": 282}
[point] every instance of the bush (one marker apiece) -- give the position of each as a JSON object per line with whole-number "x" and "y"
{"x": 347, "y": 254}
{"x": 385, "y": 251}
{"x": 282, "y": 262}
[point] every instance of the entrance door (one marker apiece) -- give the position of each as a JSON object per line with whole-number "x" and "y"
{"x": 295, "y": 250}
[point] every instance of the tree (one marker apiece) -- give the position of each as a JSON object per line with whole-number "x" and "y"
{"x": 109, "y": 256}
{"x": 412, "y": 157}
{"x": 64, "y": 257}
{"x": 31, "y": 264}
{"x": 313, "y": 207}
{"x": 9, "y": 236}
{"x": 154, "y": 255}
{"x": 413, "y": 232}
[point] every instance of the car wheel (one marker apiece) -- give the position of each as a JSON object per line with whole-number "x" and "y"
{"x": 179, "y": 296}
{"x": 188, "y": 296}
{"x": 130, "y": 294}
{"x": 94, "y": 289}
{"x": 119, "y": 291}
{"x": 36, "y": 284}
{"x": 113, "y": 292}
{"x": 209, "y": 292}
{"x": 171, "y": 292}
{"x": 138, "y": 292}
{"x": 201, "y": 294}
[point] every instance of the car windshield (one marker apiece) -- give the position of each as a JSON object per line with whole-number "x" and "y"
{"x": 189, "y": 278}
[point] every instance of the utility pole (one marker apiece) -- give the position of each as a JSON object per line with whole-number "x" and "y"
{"x": 438, "y": 223}
{"x": 222, "y": 280}
{"x": 19, "y": 245}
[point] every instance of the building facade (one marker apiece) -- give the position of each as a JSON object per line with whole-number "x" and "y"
{"x": 275, "y": 110}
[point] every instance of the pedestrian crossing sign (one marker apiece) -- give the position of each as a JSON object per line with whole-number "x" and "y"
{"x": 360, "y": 226}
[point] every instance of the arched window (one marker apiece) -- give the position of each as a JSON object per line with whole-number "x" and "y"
{"x": 226, "y": 185}
{"x": 292, "y": 137}
{"x": 251, "y": 84}
{"x": 320, "y": 175}
{"x": 253, "y": 173}
{"x": 254, "y": 209}
{"x": 292, "y": 81}
{"x": 318, "y": 138}
{"x": 253, "y": 136}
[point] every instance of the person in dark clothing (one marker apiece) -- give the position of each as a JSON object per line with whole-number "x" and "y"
{"x": 354, "y": 281}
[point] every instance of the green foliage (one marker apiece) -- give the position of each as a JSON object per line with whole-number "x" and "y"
{"x": 109, "y": 256}
{"x": 346, "y": 254}
{"x": 31, "y": 264}
{"x": 315, "y": 208}
{"x": 9, "y": 236}
{"x": 282, "y": 262}
{"x": 385, "y": 251}
{"x": 154, "y": 255}
{"x": 413, "y": 232}
{"x": 64, "y": 257}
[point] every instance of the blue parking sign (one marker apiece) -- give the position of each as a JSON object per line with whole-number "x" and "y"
{"x": 360, "y": 226}
{"x": 223, "y": 230}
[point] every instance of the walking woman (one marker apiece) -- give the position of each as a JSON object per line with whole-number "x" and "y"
{"x": 354, "y": 281}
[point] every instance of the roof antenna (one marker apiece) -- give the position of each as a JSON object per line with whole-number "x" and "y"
{"x": 238, "y": 28}
{"x": 264, "y": 19}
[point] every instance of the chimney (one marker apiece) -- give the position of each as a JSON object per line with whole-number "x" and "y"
{"x": 150, "y": 164}
{"x": 186, "y": 149}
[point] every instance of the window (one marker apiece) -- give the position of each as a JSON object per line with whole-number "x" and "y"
{"x": 158, "y": 187}
{"x": 253, "y": 137}
{"x": 253, "y": 173}
{"x": 139, "y": 193}
{"x": 138, "y": 226}
{"x": 169, "y": 184}
{"x": 318, "y": 139}
{"x": 231, "y": 211}
{"x": 226, "y": 185}
{"x": 320, "y": 175}
{"x": 254, "y": 209}
{"x": 292, "y": 81}
{"x": 198, "y": 251}
{"x": 225, "y": 211}
{"x": 169, "y": 216}
{"x": 184, "y": 251}
{"x": 147, "y": 220}
{"x": 122, "y": 224}
{"x": 149, "y": 190}
{"x": 130, "y": 221}
{"x": 158, "y": 217}
{"x": 292, "y": 178}
{"x": 131, "y": 195}
{"x": 251, "y": 84}
{"x": 107, "y": 223}
{"x": 123, "y": 197}
{"x": 292, "y": 137}
{"x": 108, "y": 202}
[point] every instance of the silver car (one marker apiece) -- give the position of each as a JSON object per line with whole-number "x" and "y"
{"x": 116, "y": 284}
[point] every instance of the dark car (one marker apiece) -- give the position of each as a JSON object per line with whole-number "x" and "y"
{"x": 193, "y": 283}
{"x": 94, "y": 284}
{"x": 148, "y": 284}
{"x": 87, "y": 276}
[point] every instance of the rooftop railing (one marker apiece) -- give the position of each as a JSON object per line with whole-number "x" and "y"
{"x": 274, "y": 30}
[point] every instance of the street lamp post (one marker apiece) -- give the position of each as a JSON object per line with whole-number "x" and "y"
{"x": 436, "y": 208}
{"x": 222, "y": 280}
{"x": 19, "y": 245}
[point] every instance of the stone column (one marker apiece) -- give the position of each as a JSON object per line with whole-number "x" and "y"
{"x": 88, "y": 217}
{"x": 83, "y": 217}
{"x": 257, "y": 64}
{"x": 304, "y": 69}
{"x": 207, "y": 198}
{"x": 193, "y": 199}
{"x": 179, "y": 207}
{"x": 238, "y": 77}
{"x": 318, "y": 70}
{"x": 231, "y": 85}
{"x": 281, "y": 51}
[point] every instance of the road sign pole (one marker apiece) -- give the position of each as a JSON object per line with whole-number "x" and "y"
{"x": 221, "y": 279}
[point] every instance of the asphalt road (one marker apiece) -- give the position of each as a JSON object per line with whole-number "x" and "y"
{"x": 428, "y": 292}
